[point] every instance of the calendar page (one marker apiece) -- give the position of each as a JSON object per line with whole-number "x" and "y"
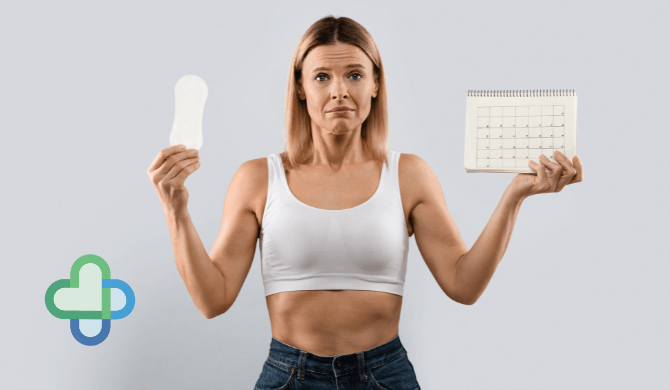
{"x": 503, "y": 133}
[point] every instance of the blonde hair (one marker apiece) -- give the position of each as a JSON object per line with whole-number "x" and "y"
{"x": 298, "y": 132}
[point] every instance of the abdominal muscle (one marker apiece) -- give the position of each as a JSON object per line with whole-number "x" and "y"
{"x": 334, "y": 322}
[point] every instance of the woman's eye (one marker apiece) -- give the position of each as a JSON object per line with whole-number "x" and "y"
{"x": 324, "y": 75}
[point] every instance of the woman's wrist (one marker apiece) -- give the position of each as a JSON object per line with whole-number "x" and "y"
{"x": 512, "y": 192}
{"x": 175, "y": 212}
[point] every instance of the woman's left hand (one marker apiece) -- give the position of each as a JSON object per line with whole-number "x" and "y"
{"x": 527, "y": 184}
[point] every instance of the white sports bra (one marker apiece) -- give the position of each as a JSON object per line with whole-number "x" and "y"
{"x": 307, "y": 248}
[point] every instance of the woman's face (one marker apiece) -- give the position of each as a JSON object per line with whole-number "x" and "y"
{"x": 333, "y": 76}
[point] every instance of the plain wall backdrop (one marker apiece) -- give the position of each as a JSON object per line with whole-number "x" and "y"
{"x": 579, "y": 300}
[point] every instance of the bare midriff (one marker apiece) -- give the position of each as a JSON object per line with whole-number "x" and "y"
{"x": 334, "y": 322}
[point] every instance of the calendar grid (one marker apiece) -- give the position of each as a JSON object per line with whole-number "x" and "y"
{"x": 510, "y": 136}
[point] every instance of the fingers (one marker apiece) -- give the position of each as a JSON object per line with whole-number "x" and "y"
{"x": 567, "y": 165}
{"x": 562, "y": 181}
{"x": 163, "y": 155}
{"x": 552, "y": 178}
{"x": 180, "y": 166}
{"x": 175, "y": 163}
{"x": 567, "y": 172}
{"x": 184, "y": 173}
{"x": 579, "y": 170}
{"x": 562, "y": 174}
{"x": 539, "y": 170}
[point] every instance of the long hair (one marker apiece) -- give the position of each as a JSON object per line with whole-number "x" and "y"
{"x": 298, "y": 132}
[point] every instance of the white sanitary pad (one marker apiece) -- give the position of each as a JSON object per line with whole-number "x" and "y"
{"x": 190, "y": 95}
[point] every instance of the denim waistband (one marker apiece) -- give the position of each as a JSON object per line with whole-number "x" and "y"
{"x": 294, "y": 358}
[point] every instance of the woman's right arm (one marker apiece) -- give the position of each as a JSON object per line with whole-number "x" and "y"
{"x": 234, "y": 249}
{"x": 168, "y": 172}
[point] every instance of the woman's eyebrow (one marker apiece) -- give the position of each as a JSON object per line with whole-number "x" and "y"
{"x": 346, "y": 67}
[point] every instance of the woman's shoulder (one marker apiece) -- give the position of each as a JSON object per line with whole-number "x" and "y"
{"x": 253, "y": 178}
{"x": 255, "y": 170}
{"x": 410, "y": 163}
{"x": 416, "y": 178}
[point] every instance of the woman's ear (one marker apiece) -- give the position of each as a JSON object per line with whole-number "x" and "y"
{"x": 301, "y": 93}
{"x": 376, "y": 90}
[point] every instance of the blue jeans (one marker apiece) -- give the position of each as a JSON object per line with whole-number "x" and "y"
{"x": 384, "y": 367}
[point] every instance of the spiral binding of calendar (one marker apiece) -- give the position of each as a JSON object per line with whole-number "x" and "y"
{"x": 523, "y": 93}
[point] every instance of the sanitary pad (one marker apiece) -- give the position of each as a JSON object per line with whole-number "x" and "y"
{"x": 190, "y": 95}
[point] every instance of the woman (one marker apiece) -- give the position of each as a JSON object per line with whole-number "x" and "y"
{"x": 333, "y": 214}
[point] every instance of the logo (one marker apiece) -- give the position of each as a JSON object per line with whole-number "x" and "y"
{"x": 90, "y": 299}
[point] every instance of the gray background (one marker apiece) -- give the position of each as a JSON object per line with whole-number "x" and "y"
{"x": 579, "y": 300}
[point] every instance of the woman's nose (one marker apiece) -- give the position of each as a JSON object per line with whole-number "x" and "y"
{"x": 339, "y": 90}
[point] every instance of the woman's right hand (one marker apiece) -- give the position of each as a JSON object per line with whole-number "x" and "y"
{"x": 168, "y": 172}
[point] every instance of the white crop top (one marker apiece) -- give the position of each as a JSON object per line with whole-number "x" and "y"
{"x": 307, "y": 248}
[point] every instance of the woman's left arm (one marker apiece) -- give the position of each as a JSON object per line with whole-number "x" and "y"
{"x": 475, "y": 268}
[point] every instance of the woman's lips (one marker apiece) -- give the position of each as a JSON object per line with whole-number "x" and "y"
{"x": 340, "y": 112}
